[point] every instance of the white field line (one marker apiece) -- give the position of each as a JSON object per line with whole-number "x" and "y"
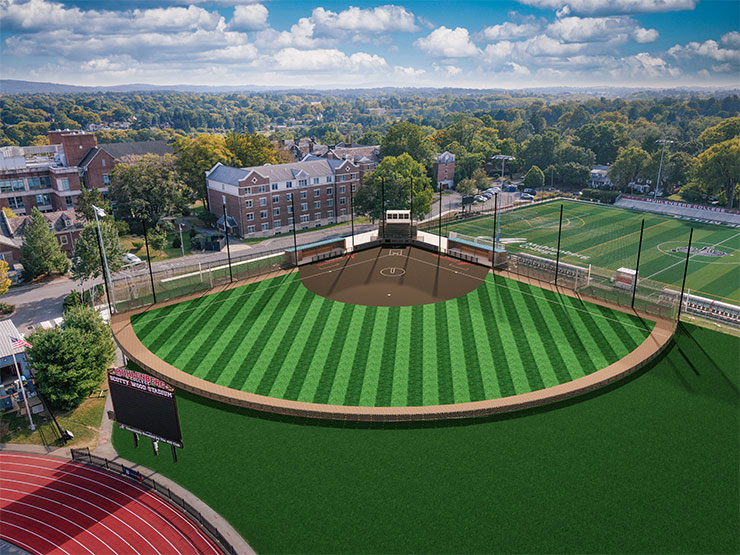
{"x": 690, "y": 257}
{"x": 214, "y": 268}
{"x": 27, "y": 531}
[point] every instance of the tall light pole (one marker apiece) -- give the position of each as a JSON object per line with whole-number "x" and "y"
{"x": 182, "y": 245}
{"x": 660, "y": 166}
{"x": 503, "y": 158}
{"x": 99, "y": 212}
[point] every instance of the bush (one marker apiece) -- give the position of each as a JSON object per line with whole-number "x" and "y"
{"x": 7, "y": 308}
{"x": 158, "y": 238}
{"x": 192, "y": 233}
{"x": 607, "y": 197}
{"x": 693, "y": 192}
{"x": 176, "y": 244}
{"x": 136, "y": 245}
{"x": 123, "y": 228}
{"x": 98, "y": 291}
{"x": 72, "y": 300}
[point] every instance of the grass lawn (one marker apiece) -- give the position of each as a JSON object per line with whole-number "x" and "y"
{"x": 649, "y": 465}
{"x": 608, "y": 237}
{"x": 277, "y": 338}
{"x": 83, "y": 422}
{"x": 127, "y": 244}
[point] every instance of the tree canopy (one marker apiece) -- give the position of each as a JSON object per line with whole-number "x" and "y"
{"x": 87, "y": 264}
{"x": 719, "y": 168}
{"x": 41, "y": 253}
{"x": 407, "y": 138}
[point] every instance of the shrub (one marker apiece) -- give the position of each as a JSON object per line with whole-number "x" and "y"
{"x": 693, "y": 192}
{"x": 72, "y": 300}
{"x": 7, "y": 308}
{"x": 123, "y": 228}
{"x": 98, "y": 291}
{"x": 176, "y": 244}
{"x": 607, "y": 197}
{"x": 136, "y": 245}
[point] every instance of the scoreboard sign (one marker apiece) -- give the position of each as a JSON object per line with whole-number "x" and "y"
{"x": 145, "y": 405}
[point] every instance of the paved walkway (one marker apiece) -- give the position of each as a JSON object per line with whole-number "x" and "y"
{"x": 105, "y": 449}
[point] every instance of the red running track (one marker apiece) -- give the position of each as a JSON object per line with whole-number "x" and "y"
{"x": 54, "y": 506}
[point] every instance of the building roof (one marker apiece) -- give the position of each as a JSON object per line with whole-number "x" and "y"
{"x": 445, "y": 157}
{"x": 120, "y": 150}
{"x": 277, "y": 172}
{"x": 61, "y": 220}
{"x": 8, "y": 330}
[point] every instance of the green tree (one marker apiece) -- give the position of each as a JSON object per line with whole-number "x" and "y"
{"x": 85, "y": 202}
{"x": 398, "y": 172}
{"x": 540, "y": 150}
{"x": 572, "y": 175}
{"x": 409, "y": 138}
{"x": 629, "y": 165}
{"x": 480, "y": 177}
{"x": 157, "y": 237}
{"x": 70, "y": 361}
{"x": 570, "y": 153}
{"x": 371, "y": 138}
{"x": 87, "y": 264}
{"x": 724, "y": 131}
{"x": 4, "y": 281}
{"x": 41, "y": 253}
{"x": 693, "y": 192}
{"x": 534, "y": 179}
{"x": 251, "y": 149}
{"x": 604, "y": 139}
{"x": 467, "y": 186}
{"x": 719, "y": 168}
{"x": 195, "y": 156}
{"x": 147, "y": 189}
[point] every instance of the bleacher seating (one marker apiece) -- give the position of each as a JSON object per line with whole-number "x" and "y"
{"x": 683, "y": 211}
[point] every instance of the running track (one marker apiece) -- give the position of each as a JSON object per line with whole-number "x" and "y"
{"x": 55, "y": 506}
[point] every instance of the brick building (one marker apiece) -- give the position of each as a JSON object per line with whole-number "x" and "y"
{"x": 444, "y": 169}
{"x": 259, "y": 199}
{"x": 64, "y": 223}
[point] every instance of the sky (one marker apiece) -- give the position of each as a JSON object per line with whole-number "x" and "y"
{"x": 283, "y": 43}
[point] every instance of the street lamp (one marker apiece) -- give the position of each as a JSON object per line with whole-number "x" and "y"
{"x": 503, "y": 158}
{"x": 180, "y": 226}
{"x": 99, "y": 212}
{"x": 660, "y": 166}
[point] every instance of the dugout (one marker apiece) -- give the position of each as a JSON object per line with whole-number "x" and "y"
{"x": 476, "y": 252}
{"x": 313, "y": 252}
{"x": 543, "y": 269}
{"x": 398, "y": 227}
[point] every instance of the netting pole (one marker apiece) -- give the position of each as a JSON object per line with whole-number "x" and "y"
{"x": 295, "y": 239}
{"x": 557, "y": 256}
{"x": 382, "y": 205}
{"x": 411, "y": 209}
{"x": 637, "y": 266}
{"x": 440, "y": 221}
{"x": 352, "y": 214}
{"x": 228, "y": 248}
{"x": 495, "y": 218}
{"x": 149, "y": 261}
{"x": 685, "y": 271}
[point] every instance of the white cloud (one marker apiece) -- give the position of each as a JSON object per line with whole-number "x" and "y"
{"x": 250, "y": 17}
{"x": 410, "y": 71}
{"x": 644, "y": 64}
{"x": 591, "y": 7}
{"x": 592, "y": 29}
{"x": 448, "y": 43}
{"x": 447, "y": 69}
{"x": 518, "y": 69}
{"x": 376, "y": 20}
{"x": 708, "y": 49}
{"x": 498, "y": 52}
{"x": 300, "y": 35}
{"x": 326, "y": 60}
{"x": 731, "y": 39}
{"x": 509, "y": 30}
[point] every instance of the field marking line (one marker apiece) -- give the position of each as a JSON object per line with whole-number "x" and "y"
{"x": 690, "y": 257}
{"x": 621, "y": 237}
{"x": 61, "y": 532}
{"x": 26, "y": 530}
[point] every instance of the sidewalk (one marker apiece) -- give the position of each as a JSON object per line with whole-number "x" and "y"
{"x": 105, "y": 449}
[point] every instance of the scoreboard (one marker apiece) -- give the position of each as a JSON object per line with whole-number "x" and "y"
{"x": 145, "y": 405}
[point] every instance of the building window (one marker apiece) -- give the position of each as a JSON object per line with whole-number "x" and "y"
{"x": 330, "y": 213}
{"x": 315, "y": 180}
{"x": 34, "y": 183}
{"x": 354, "y": 188}
{"x": 302, "y": 182}
{"x": 106, "y": 180}
{"x": 63, "y": 184}
{"x": 353, "y": 176}
{"x": 304, "y": 195}
{"x": 317, "y": 216}
{"x": 304, "y": 206}
{"x": 330, "y": 202}
{"x": 343, "y": 212}
{"x": 43, "y": 199}
{"x": 317, "y": 192}
{"x": 288, "y": 184}
{"x": 265, "y": 226}
{"x": 274, "y": 186}
{"x": 290, "y": 221}
{"x": 275, "y": 199}
{"x": 247, "y": 190}
{"x": 343, "y": 201}
{"x": 305, "y": 218}
{"x": 317, "y": 204}
{"x": 328, "y": 179}
{"x": 263, "y": 214}
{"x": 341, "y": 178}
{"x": 250, "y": 216}
{"x": 16, "y": 202}
{"x": 8, "y": 185}
{"x": 69, "y": 202}
{"x": 276, "y": 211}
{"x": 277, "y": 224}
{"x": 248, "y": 203}
{"x": 63, "y": 239}
{"x": 290, "y": 209}
{"x": 330, "y": 190}
{"x": 250, "y": 229}
{"x": 262, "y": 189}
{"x": 263, "y": 201}
{"x": 342, "y": 190}
{"x": 103, "y": 161}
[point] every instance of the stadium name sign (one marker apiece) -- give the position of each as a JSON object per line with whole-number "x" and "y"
{"x": 551, "y": 251}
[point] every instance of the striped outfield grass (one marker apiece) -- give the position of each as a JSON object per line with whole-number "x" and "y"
{"x": 608, "y": 237}
{"x": 276, "y": 338}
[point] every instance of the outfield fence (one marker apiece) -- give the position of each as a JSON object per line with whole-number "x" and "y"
{"x": 84, "y": 456}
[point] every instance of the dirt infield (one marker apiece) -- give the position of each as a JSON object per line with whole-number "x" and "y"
{"x": 385, "y": 276}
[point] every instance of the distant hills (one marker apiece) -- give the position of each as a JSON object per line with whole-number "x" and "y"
{"x": 13, "y": 86}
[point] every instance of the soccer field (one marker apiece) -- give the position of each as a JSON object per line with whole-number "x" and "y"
{"x": 276, "y": 338}
{"x": 608, "y": 237}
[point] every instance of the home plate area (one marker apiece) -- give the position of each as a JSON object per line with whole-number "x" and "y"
{"x": 392, "y": 277}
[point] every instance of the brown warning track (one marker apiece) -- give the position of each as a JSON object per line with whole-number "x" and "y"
{"x": 132, "y": 347}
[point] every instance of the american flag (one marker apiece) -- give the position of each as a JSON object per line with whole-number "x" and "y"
{"x": 19, "y": 343}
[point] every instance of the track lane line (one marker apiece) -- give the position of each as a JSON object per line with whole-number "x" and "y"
{"x": 34, "y": 523}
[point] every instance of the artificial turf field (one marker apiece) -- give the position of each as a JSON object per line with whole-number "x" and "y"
{"x": 277, "y": 338}
{"x": 608, "y": 237}
{"x": 649, "y": 465}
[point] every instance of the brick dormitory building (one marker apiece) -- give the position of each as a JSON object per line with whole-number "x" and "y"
{"x": 258, "y": 199}
{"x": 51, "y": 177}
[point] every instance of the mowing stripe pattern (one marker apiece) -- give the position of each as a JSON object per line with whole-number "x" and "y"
{"x": 276, "y": 338}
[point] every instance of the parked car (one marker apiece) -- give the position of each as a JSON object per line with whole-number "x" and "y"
{"x": 510, "y": 189}
{"x": 493, "y": 190}
{"x": 480, "y": 198}
{"x": 130, "y": 258}
{"x": 526, "y": 196}
{"x": 530, "y": 192}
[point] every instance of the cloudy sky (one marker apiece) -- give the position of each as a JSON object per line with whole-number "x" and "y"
{"x": 522, "y": 43}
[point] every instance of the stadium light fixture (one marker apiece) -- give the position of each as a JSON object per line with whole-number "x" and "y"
{"x": 503, "y": 158}
{"x": 100, "y": 213}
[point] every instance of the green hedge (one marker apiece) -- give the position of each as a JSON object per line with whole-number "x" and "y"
{"x": 607, "y": 197}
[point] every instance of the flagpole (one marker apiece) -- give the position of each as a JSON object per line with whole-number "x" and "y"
{"x": 23, "y": 389}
